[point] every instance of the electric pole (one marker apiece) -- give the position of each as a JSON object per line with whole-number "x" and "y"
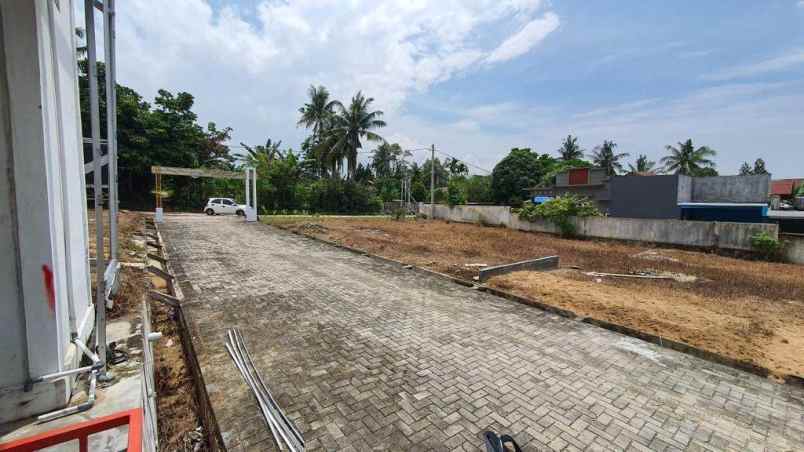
{"x": 432, "y": 182}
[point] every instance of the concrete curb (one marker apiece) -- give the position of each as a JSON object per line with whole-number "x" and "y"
{"x": 540, "y": 264}
{"x": 205, "y": 412}
{"x": 626, "y": 331}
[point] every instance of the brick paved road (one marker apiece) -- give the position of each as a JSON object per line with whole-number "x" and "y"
{"x": 365, "y": 354}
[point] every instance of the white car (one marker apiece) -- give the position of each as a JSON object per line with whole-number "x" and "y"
{"x": 224, "y": 206}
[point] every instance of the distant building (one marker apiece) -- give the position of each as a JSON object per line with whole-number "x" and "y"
{"x": 715, "y": 198}
{"x": 592, "y": 183}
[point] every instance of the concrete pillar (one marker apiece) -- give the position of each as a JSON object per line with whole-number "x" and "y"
{"x": 43, "y": 260}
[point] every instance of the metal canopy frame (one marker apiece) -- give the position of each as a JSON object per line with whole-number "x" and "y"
{"x": 105, "y": 272}
{"x": 249, "y": 174}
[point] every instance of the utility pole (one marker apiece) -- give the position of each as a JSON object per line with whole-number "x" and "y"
{"x": 432, "y": 182}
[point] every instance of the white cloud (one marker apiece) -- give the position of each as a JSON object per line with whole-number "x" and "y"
{"x": 529, "y": 36}
{"x": 250, "y": 69}
{"x": 742, "y": 121}
{"x": 793, "y": 58}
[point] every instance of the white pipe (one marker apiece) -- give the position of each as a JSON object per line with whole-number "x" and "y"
{"x": 81, "y": 407}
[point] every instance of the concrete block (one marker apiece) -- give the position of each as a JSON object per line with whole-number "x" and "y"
{"x": 541, "y": 264}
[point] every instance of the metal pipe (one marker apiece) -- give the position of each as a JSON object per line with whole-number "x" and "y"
{"x": 277, "y": 420}
{"x": 81, "y": 407}
{"x": 266, "y": 392}
{"x": 94, "y": 116}
{"x": 111, "y": 120}
{"x": 432, "y": 183}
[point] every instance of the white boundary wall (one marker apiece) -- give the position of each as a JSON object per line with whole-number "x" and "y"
{"x": 733, "y": 236}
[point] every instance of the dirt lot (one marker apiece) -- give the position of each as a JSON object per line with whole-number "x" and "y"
{"x": 176, "y": 405}
{"x": 749, "y": 310}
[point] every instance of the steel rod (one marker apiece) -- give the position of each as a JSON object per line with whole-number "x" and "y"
{"x": 94, "y": 117}
{"x": 111, "y": 120}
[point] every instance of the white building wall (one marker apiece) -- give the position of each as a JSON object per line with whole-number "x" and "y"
{"x": 45, "y": 225}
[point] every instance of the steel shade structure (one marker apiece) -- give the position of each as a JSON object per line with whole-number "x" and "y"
{"x": 249, "y": 174}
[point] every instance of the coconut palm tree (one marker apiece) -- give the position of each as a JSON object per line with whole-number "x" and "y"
{"x": 643, "y": 166}
{"x": 570, "y": 150}
{"x": 269, "y": 153}
{"x": 604, "y": 157}
{"x": 686, "y": 159}
{"x": 317, "y": 113}
{"x": 349, "y": 126}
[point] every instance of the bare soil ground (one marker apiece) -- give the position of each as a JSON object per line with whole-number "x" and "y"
{"x": 176, "y": 405}
{"x": 748, "y": 310}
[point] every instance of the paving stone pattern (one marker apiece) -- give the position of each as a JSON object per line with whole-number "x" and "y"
{"x": 364, "y": 354}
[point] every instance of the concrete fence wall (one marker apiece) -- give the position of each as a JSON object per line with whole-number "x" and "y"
{"x": 794, "y": 248}
{"x": 733, "y": 236}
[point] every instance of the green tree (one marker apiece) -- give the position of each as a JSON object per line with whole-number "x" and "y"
{"x": 456, "y": 167}
{"x": 518, "y": 171}
{"x": 478, "y": 189}
{"x": 349, "y": 126}
{"x": 570, "y": 150}
{"x": 270, "y": 151}
{"x": 605, "y": 157}
{"x": 745, "y": 169}
{"x": 317, "y": 113}
{"x": 456, "y": 194}
{"x": 759, "y": 167}
{"x": 643, "y": 166}
{"x": 688, "y": 160}
{"x": 384, "y": 159}
{"x": 441, "y": 175}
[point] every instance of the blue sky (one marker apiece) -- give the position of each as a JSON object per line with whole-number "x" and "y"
{"x": 477, "y": 78}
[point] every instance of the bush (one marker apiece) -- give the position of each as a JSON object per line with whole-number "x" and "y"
{"x": 340, "y": 196}
{"x": 766, "y": 246}
{"x": 455, "y": 193}
{"x": 560, "y": 212}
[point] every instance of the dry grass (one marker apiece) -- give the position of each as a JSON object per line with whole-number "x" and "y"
{"x": 748, "y": 310}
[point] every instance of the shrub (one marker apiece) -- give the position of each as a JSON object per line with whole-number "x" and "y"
{"x": 766, "y": 246}
{"x": 455, "y": 194}
{"x": 560, "y": 212}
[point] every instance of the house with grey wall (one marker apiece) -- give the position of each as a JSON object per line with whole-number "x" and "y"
{"x": 715, "y": 198}
{"x": 592, "y": 183}
{"x": 672, "y": 196}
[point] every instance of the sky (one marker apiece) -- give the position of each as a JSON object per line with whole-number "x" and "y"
{"x": 476, "y": 78}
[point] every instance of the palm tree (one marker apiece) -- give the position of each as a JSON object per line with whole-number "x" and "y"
{"x": 384, "y": 159}
{"x": 349, "y": 126}
{"x": 456, "y": 167}
{"x": 686, "y": 159}
{"x": 570, "y": 150}
{"x": 604, "y": 157}
{"x": 269, "y": 153}
{"x": 317, "y": 113}
{"x": 643, "y": 166}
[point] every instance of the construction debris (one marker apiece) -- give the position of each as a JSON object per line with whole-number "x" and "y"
{"x": 281, "y": 427}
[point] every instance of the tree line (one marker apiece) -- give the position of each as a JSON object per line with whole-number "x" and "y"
{"x": 328, "y": 174}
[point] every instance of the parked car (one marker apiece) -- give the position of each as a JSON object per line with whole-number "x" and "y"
{"x": 224, "y": 206}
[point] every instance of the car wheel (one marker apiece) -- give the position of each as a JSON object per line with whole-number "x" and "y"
{"x": 210, "y": 212}
{"x": 240, "y": 213}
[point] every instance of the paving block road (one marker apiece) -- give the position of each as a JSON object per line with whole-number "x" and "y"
{"x": 364, "y": 354}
